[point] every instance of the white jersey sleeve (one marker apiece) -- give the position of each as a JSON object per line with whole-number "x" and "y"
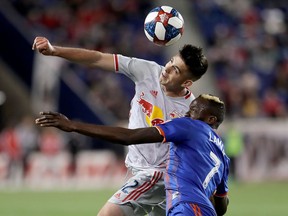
{"x": 136, "y": 69}
{"x": 149, "y": 106}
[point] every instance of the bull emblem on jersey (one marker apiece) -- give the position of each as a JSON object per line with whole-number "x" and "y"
{"x": 154, "y": 114}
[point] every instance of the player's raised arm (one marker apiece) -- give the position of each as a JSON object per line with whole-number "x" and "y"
{"x": 89, "y": 58}
{"x": 117, "y": 135}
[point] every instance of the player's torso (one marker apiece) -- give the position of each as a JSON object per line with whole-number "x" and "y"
{"x": 204, "y": 161}
{"x": 149, "y": 106}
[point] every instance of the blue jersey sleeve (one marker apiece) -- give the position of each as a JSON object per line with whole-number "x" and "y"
{"x": 176, "y": 130}
{"x": 222, "y": 188}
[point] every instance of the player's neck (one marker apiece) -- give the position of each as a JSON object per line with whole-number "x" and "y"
{"x": 180, "y": 93}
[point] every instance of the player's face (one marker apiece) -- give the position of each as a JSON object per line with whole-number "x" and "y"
{"x": 175, "y": 75}
{"x": 198, "y": 109}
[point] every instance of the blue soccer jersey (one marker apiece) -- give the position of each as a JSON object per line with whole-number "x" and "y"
{"x": 198, "y": 166}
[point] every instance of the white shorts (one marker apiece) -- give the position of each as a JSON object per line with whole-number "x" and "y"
{"x": 144, "y": 192}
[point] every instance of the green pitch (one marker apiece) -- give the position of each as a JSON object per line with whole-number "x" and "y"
{"x": 52, "y": 203}
{"x": 258, "y": 199}
{"x": 267, "y": 199}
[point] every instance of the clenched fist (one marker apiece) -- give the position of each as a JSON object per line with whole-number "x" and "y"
{"x": 43, "y": 45}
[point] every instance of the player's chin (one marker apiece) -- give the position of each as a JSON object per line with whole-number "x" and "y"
{"x": 163, "y": 84}
{"x": 163, "y": 80}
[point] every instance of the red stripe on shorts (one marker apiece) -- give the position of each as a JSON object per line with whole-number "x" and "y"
{"x": 196, "y": 210}
{"x": 145, "y": 187}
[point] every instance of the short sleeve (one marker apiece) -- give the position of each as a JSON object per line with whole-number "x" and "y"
{"x": 222, "y": 188}
{"x": 136, "y": 69}
{"x": 174, "y": 130}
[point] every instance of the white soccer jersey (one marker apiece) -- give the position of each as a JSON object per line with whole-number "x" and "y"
{"x": 149, "y": 106}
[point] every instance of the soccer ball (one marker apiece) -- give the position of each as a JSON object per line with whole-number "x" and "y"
{"x": 164, "y": 25}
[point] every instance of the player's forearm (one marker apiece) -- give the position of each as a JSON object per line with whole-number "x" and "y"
{"x": 77, "y": 55}
{"x": 118, "y": 135}
{"x": 112, "y": 134}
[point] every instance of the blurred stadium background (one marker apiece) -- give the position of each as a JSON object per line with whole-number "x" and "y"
{"x": 47, "y": 172}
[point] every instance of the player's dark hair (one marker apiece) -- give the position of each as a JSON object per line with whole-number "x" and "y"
{"x": 195, "y": 60}
{"x": 216, "y": 107}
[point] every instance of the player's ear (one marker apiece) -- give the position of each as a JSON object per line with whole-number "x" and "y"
{"x": 187, "y": 83}
{"x": 211, "y": 120}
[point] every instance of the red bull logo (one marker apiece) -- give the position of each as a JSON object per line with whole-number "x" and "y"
{"x": 147, "y": 107}
{"x": 156, "y": 121}
{"x": 154, "y": 114}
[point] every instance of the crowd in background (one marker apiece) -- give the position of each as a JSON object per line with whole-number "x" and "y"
{"x": 113, "y": 26}
{"x": 248, "y": 48}
{"x": 21, "y": 139}
{"x": 246, "y": 44}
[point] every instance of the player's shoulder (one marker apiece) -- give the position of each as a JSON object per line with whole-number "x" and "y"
{"x": 121, "y": 57}
{"x": 184, "y": 122}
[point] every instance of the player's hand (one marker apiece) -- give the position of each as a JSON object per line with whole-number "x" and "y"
{"x": 54, "y": 119}
{"x": 43, "y": 45}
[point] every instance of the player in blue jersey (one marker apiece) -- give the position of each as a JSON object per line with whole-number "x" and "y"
{"x": 196, "y": 180}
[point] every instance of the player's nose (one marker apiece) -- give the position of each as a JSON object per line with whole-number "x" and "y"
{"x": 168, "y": 70}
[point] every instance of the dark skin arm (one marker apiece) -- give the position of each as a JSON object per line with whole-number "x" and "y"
{"x": 119, "y": 135}
{"x": 220, "y": 204}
